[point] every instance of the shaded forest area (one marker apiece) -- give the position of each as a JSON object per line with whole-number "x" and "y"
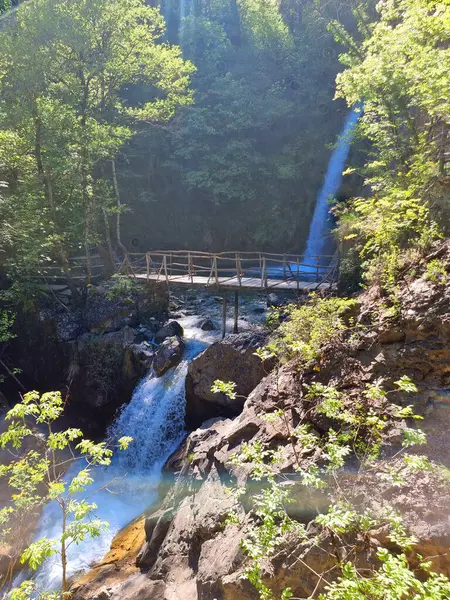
{"x": 241, "y": 167}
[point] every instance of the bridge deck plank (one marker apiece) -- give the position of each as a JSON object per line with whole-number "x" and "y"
{"x": 233, "y": 283}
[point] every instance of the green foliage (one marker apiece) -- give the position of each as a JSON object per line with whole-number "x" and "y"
{"x": 254, "y": 144}
{"x": 393, "y": 581}
{"x": 359, "y": 432}
{"x": 362, "y": 426}
{"x": 6, "y": 322}
{"x": 122, "y": 288}
{"x": 39, "y": 476}
{"x": 228, "y": 388}
{"x": 310, "y": 326}
{"x": 350, "y": 272}
{"x": 436, "y": 272}
{"x": 64, "y": 119}
{"x": 399, "y": 69}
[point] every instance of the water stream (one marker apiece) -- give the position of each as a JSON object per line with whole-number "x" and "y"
{"x": 320, "y": 241}
{"x": 155, "y": 419}
{"x": 155, "y": 415}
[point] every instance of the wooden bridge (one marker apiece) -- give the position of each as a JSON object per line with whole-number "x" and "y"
{"x": 236, "y": 270}
{"x": 223, "y": 270}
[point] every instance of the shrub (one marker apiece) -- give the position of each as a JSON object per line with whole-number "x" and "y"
{"x": 308, "y": 327}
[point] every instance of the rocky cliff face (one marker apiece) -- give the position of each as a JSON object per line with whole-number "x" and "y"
{"x": 94, "y": 356}
{"x": 190, "y": 553}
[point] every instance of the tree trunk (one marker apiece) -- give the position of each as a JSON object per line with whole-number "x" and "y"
{"x": 442, "y": 149}
{"x": 64, "y": 555}
{"x": 119, "y": 209}
{"x": 48, "y": 190}
{"x": 84, "y": 180}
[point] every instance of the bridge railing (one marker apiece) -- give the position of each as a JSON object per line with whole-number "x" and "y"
{"x": 232, "y": 267}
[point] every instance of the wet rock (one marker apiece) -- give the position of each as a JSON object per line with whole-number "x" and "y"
{"x": 207, "y": 325}
{"x": 116, "y": 577}
{"x": 170, "y": 330}
{"x": 259, "y": 310}
{"x": 168, "y": 355}
{"x": 143, "y": 335}
{"x": 177, "y": 315}
{"x": 274, "y": 301}
{"x": 232, "y": 359}
{"x": 144, "y": 353}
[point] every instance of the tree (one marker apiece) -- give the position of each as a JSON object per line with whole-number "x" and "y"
{"x": 41, "y": 475}
{"x": 64, "y": 69}
{"x": 400, "y": 70}
{"x": 254, "y": 144}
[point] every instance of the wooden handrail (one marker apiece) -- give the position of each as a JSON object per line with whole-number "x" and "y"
{"x": 218, "y": 268}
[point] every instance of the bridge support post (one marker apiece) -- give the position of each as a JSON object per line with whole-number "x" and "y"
{"x": 236, "y": 312}
{"x": 224, "y": 315}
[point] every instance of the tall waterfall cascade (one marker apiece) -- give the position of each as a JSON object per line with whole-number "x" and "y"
{"x": 320, "y": 227}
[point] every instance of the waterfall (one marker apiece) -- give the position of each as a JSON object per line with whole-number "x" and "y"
{"x": 183, "y": 14}
{"x": 320, "y": 228}
{"x": 154, "y": 418}
{"x": 320, "y": 225}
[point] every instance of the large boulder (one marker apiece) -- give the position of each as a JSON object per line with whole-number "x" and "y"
{"x": 232, "y": 359}
{"x": 170, "y": 330}
{"x": 208, "y": 325}
{"x": 168, "y": 355}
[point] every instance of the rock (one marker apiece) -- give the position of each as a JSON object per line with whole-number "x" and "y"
{"x": 219, "y": 557}
{"x": 144, "y": 354}
{"x": 168, "y": 355}
{"x": 177, "y": 315}
{"x": 274, "y": 301}
{"x": 104, "y": 370}
{"x": 259, "y": 310}
{"x": 156, "y": 528}
{"x": 170, "y": 330}
{"x": 67, "y": 325}
{"x": 116, "y": 577}
{"x": 143, "y": 335}
{"x": 391, "y": 335}
{"x": 108, "y": 308}
{"x": 207, "y": 325}
{"x": 124, "y": 336}
{"x": 139, "y": 338}
{"x": 197, "y": 520}
{"x": 232, "y": 359}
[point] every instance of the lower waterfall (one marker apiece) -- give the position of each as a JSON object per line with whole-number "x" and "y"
{"x": 154, "y": 418}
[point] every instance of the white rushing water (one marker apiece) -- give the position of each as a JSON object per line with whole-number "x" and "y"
{"x": 155, "y": 419}
{"x": 320, "y": 227}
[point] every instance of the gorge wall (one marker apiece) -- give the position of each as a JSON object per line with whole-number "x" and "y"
{"x": 191, "y": 553}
